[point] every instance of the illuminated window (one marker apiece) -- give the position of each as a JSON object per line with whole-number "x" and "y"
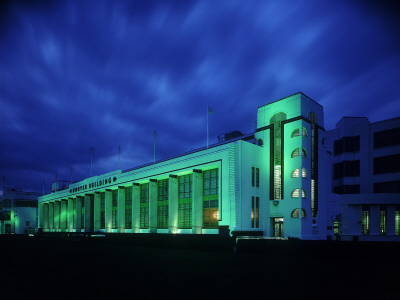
{"x": 365, "y": 220}
{"x": 296, "y": 213}
{"x": 255, "y": 208}
{"x": 296, "y": 152}
{"x": 299, "y": 132}
{"x": 162, "y": 209}
{"x": 382, "y": 220}
{"x": 255, "y": 177}
{"x": 128, "y": 207}
{"x": 397, "y": 221}
{"x": 185, "y": 201}
{"x": 296, "y": 173}
{"x": 296, "y": 193}
{"x": 144, "y": 205}
{"x": 210, "y": 199}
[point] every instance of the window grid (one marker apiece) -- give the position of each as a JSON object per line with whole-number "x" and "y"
{"x": 162, "y": 201}
{"x": 128, "y": 207}
{"x": 114, "y": 209}
{"x": 296, "y": 213}
{"x": 296, "y": 132}
{"x": 365, "y": 220}
{"x": 296, "y": 193}
{"x": 185, "y": 201}
{"x": 144, "y": 206}
{"x": 296, "y": 152}
{"x": 210, "y": 199}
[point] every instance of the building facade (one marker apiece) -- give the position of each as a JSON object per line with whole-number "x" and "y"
{"x": 366, "y": 178}
{"x": 18, "y": 211}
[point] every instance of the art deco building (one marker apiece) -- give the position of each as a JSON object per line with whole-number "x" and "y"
{"x": 273, "y": 182}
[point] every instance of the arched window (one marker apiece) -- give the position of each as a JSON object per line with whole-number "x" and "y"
{"x": 296, "y": 213}
{"x": 296, "y": 193}
{"x": 296, "y": 173}
{"x": 296, "y": 152}
{"x": 297, "y": 132}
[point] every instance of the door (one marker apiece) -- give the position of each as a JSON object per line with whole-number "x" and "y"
{"x": 277, "y": 227}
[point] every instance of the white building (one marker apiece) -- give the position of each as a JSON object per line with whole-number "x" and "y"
{"x": 366, "y": 178}
{"x": 272, "y": 182}
{"x": 18, "y": 211}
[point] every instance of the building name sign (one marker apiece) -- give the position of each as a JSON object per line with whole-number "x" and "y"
{"x": 93, "y": 184}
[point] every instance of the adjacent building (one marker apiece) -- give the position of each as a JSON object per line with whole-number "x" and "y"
{"x": 18, "y": 211}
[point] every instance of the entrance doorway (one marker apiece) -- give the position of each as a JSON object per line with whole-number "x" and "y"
{"x": 277, "y": 227}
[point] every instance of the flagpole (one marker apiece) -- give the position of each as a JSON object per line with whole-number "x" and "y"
{"x": 207, "y": 125}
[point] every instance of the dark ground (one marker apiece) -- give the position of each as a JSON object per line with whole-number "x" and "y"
{"x": 124, "y": 267}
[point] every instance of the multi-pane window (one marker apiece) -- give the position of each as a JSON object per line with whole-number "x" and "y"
{"x": 296, "y": 173}
{"x": 387, "y": 138}
{"x": 296, "y": 193}
{"x": 365, "y": 220}
{"x": 162, "y": 201}
{"x": 347, "y": 144}
{"x": 296, "y": 152}
{"x": 210, "y": 199}
{"x": 114, "y": 208}
{"x": 382, "y": 220}
{"x": 350, "y": 168}
{"x": 102, "y": 210}
{"x": 128, "y": 207}
{"x": 185, "y": 201}
{"x": 299, "y": 132}
{"x": 255, "y": 209}
{"x": 296, "y": 213}
{"x": 347, "y": 189}
{"x": 387, "y": 164}
{"x": 144, "y": 205}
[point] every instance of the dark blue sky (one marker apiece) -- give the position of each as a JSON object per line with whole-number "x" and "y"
{"x": 106, "y": 73}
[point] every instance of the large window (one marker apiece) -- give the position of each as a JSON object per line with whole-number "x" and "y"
{"x": 210, "y": 199}
{"x": 185, "y": 201}
{"x": 114, "y": 209}
{"x": 365, "y": 220}
{"x": 387, "y": 138}
{"x": 128, "y": 207}
{"x": 255, "y": 209}
{"x": 346, "y": 168}
{"x": 347, "y": 144}
{"x": 162, "y": 202}
{"x": 387, "y": 164}
{"x": 144, "y": 206}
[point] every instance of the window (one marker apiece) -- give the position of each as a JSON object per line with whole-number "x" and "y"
{"x": 347, "y": 189}
{"x": 387, "y": 164}
{"x": 296, "y": 213}
{"x": 365, "y": 220}
{"x": 296, "y": 152}
{"x": 185, "y": 201}
{"x": 387, "y": 187}
{"x": 162, "y": 201}
{"x": 210, "y": 199}
{"x": 350, "y": 168}
{"x": 296, "y": 173}
{"x": 296, "y": 193}
{"x": 7, "y": 203}
{"x": 255, "y": 208}
{"x": 114, "y": 208}
{"x": 128, "y": 207}
{"x": 382, "y": 220}
{"x": 144, "y": 205}
{"x": 346, "y": 144}
{"x": 387, "y": 138}
{"x": 255, "y": 177}
{"x": 102, "y": 210}
{"x": 397, "y": 221}
{"x": 299, "y": 132}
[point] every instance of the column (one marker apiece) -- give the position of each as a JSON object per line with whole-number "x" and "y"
{"x": 41, "y": 219}
{"x": 51, "y": 216}
{"x": 63, "y": 216}
{"x": 108, "y": 218}
{"x": 173, "y": 204}
{"x": 121, "y": 209}
{"x": 70, "y": 225}
{"x": 153, "y": 205}
{"x": 374, "y": 217}
{"x": 88, "y": 213}
{"x": 197, "y": 201}
{"x": 96, "y": 211}
{"x": 46, "y": 217}
{"x": 136, "y": 208}
{"x": 57, "y": 216}
{"x": 78, "y": 214}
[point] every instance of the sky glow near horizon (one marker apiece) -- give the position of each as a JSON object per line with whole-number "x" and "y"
{"x": 107, "y": 73}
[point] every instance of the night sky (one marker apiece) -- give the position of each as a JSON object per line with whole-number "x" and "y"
{"x": 76, "y": 74}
